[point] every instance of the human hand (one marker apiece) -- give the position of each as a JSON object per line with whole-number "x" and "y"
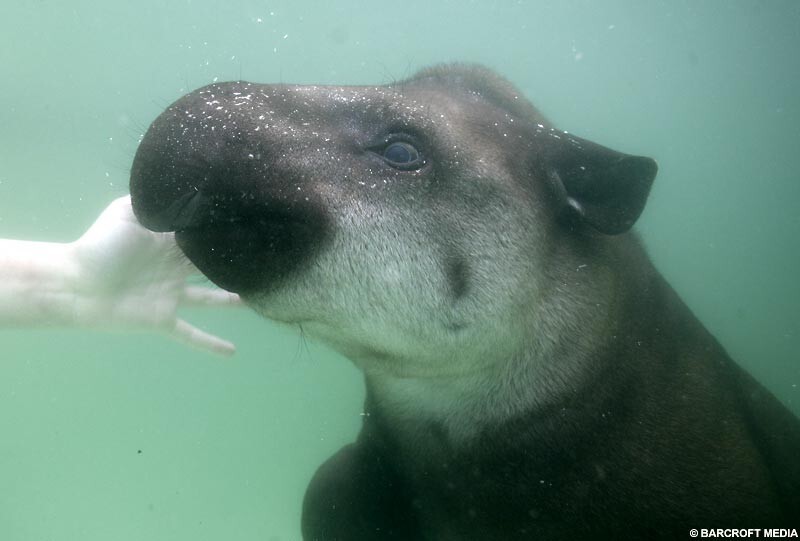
{"x": 131, "y": 278}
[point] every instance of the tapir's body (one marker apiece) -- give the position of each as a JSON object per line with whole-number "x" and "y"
{"x": 664, "y": 434}
{"x": 529, "y": 374}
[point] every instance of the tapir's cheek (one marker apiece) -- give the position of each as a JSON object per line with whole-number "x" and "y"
{"x": 253, "y": 254}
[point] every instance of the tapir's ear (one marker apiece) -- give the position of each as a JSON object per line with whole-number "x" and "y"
{"x": 601, "y": 187}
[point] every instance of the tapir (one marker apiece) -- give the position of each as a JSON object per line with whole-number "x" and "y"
{"x": 529, "y": 373}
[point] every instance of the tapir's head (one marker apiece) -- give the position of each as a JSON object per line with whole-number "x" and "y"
{"x": 417, "y": 227}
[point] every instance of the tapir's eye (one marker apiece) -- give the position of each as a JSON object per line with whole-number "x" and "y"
{"x": 402, "y": 155}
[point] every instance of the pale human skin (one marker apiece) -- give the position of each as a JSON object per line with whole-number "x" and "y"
{"x": 116, "y": 276}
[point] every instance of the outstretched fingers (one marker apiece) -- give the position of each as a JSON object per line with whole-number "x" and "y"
{"x": 188, "y": 334}
{"x": 204, "y": 296}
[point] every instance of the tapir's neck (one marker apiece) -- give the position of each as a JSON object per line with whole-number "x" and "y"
{"x": 462, "y": 407}
{"x": 558, "y": 361}
{"x": 459, "y": 405}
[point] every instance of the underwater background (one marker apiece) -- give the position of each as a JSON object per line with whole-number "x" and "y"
{"x": 132, "y": 436}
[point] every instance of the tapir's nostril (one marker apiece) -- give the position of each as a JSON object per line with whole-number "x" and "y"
{"x": 182, "y": 213}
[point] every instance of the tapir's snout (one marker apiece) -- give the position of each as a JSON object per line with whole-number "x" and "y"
{"x": 180, "y": 172}
{"x": 210, "y": 171}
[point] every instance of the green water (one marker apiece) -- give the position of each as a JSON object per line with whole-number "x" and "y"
{"x": 131, "y": 437}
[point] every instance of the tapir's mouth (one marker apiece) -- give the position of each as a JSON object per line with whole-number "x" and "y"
{"x": 197, "y": 209}
{"x": 183, "y": 213}
{"x": 242, "y": 243}
{"x": 243, "y": 255}
{"x": 246, "y": 248}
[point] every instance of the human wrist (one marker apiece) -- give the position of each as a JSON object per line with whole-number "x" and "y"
{"x": 38, "y": 283}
